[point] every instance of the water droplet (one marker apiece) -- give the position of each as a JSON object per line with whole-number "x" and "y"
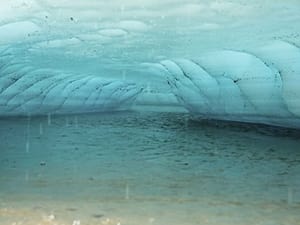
{"x": 76, "y": 121}
{"x": 124, "y": 75}
{"x": 67, "y": 121}
{"x": 127, "y": 192}
{"x": 290, "y": 196}
{"x": 26, "y": 175}
{"x": 27, "y": 146}
{"x": 41, "y": 129}
{"x": 49, "y": 119}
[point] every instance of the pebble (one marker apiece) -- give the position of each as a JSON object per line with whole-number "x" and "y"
{"x": 76, "y": 222}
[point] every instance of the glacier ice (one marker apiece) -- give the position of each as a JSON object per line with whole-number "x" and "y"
{"x": 229, "y": 60}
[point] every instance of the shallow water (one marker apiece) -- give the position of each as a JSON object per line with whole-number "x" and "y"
{"x": 146, "y": 168}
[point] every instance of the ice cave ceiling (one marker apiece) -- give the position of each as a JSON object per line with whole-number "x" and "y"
{"x": 225, "y": 59}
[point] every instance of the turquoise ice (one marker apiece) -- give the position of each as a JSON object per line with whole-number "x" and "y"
{"x": 227, "y": 60}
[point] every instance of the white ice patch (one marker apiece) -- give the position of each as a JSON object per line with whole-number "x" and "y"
{"x": 113, "y": 32}
{"x": 133, "y": 25}
{"x": 58, "y": 43}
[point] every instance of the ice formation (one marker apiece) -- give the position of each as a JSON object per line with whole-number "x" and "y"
{"x": 28, "y": 91}
{"x": 261, "y": 86}
{"x": 230, "y": 60}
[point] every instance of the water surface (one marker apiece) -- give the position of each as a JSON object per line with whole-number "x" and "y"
{"x": 146, "y": 168}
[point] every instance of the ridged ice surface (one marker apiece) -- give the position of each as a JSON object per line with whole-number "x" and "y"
{"x": 28, "y": 91}
{"x": 261, "y": 85}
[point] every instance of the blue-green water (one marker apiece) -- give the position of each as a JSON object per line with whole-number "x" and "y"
{"x": 146, "y": 168}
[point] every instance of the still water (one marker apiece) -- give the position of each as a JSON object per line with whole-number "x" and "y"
{"x": 146, "y": 168}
